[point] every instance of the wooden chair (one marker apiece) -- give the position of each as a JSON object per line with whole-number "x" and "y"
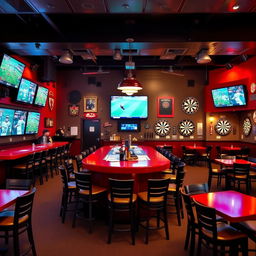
{"x": 70, "y": 169}
{"x": 189, "y": 155}
{"x": 154, "y": 200}
{"x": 86, "y": 193}
{"x": 68, "y": 192}
{"x": 252, "y": 173}
{"x": 214, "y": 173}
{"x": 218, "y": 235}
{"x": 194, "y": 189}
{"x": 18, "y": 221}
{"x": 79, "y": 164}
{"x": 122, "y": 199}
{"x": 52, "y": 161}
{"x": 205, "y": 155}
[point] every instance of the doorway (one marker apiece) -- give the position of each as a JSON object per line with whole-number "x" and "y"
{"x": 91, "y": 133}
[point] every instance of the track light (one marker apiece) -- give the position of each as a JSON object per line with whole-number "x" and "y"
{"x": 202, "y": 57}
{"x": 117, "y": 55}
{"x": 228, "y": 66}
{"x": 66, "y": 58}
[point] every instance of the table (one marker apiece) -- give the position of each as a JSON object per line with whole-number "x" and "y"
{"x": 198, "y": 148}
{"x": 138, "y": 170}
{"x": 23, "y": 151}
{"x": 230, "y": 162}
{"x": 230, "y": 148}
{"x": 8, "y": 197}
{"x": 231, "y": 205}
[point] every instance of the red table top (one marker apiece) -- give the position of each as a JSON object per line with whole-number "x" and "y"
{"x": 95, "y": 162}
{"x": 231, "y": 205}
{"x": 19, "y": 152}
{"x": 230, "y": 162}
{"x": 231, "y": 148}
{"x": 196, "y": 147}
{"x": 8, "y": 197}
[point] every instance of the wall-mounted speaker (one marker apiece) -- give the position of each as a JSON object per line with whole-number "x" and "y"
{"x": 47, "y": 70}
{"x": 98, "y": 84}
{"x": 92, "y": 80}
{"x": 191, "y": 83}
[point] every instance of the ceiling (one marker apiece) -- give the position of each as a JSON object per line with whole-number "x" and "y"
{"x": 37, "y": 28}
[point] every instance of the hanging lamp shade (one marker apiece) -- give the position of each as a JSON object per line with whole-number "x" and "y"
{"x": 66, "y": 58}
{"x": 129, "y": 86}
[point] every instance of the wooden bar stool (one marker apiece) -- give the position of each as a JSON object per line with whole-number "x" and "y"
{"x": 154, "y": 200}
{"x": 121, "y": 199}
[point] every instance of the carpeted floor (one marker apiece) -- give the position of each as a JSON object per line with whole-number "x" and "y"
{"x": 54, "y": 238}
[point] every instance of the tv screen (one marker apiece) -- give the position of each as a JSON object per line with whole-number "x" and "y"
{"x": 6, "y": 121}
{"x": 41, "y": 96}
{"x": 19, "y": 122}
{"x": 129, "y": 127}
{"x": 33, "y": 120}
{"x": 11, "y": 71}
{"x": 27, "y": 91}
{"x": 231, "y": 96}
{"x": 129, "y": 107}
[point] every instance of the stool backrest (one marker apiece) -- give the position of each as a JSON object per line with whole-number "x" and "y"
{"x": 64, "y": 176}
{"x": 18, "y": 184}
{"x": 79, "y": 159}
{"x": 83, "y": 182}
{"x": 194, "y": 189}
{"x": 188, "y": 206}
{"x": 241, "y": 169}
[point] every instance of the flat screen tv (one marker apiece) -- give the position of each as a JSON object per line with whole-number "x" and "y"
{"x": 19, "y": 122}
{"x": 6, "y": 121}
{"x": 231, "y": 96}
{"x": 11, "y": 71}
{"x": 128, "y": 126}
{"x": 41, "y": 96}
{"x": 129, "y": 107}
{"x": 33, "y": 120}
{"x": 27, "y": 91}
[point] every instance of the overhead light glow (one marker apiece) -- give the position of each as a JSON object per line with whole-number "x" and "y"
{"x": 202, "y": 57}
{"x": 66, "y": 58}
{"x": 235, "y": 7}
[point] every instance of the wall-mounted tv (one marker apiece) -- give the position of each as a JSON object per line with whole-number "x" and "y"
{"x": 33, "y": 120}
{"x": 6, "y": 121}
{"x": 27, "y": 91}
{"x": 128, "y": 126}
{"x": 129, "y": 107}
{"x": 11, "y": 71}
{"x": 231, "y": 96}
{"x": 41, "y": 96}
{"x": 19, "y": 122}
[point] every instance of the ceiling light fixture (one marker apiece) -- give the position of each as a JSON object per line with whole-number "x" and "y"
{"x": 235, "y": 7}
{"x": 202, "y": 57}
{"x": 129, "y": 85}
{"x": 117, "y": 54}
{"x": 66, "y": 57}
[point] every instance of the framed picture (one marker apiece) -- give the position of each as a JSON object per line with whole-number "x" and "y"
{"x": 48, "y": 122}
{"x": 73, "y": 110}
{"x": 165, "y": 107}
{"x": 90, "y": 104}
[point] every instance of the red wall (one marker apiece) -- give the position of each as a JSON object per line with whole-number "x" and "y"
{"x": 243, "y": 73}
{"x": 45, "y": 111}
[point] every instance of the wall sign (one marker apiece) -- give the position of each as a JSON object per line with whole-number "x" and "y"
{"x": 91, "y": 116}
{"x": 73, "y": 110}
{"x": 165, "y": 107}
{"x": 51, "y": 100}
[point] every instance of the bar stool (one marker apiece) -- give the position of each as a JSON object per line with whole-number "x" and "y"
{"x": 69, "y": 189}
{"x": 216, "y": 235}
{"x": 154, "y": 200}
{"x": 86, "y": 193}
{"x": 214, "y": 173}
{"x": 70, "y": 169}
{"x": 19, "y": 221}
{"x": 52, "y": 160}
{"x": 79, "y": 164}
{"x": 121, "y": 199}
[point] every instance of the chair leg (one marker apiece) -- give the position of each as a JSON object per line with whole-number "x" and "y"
{"x": 64, "y": 206}
{"x": 166, "y": 224}
{"x": 244, "y": 246}
{"x": 158, "y": 219}
{"x": 90, "y": 217}
{"x": 31, "y": 239}
{"x": 110, "y": 224}
{"x": 16, "y": 243}
{"x": 187, "y": 237}
{"x": 177, "y": 205}
{"x": 75, "y": 212}
{"x": 192, "y": 243}
{"x": 147, "y": 230}
{"x": 199, "y": 244}
{"x": 209, "y": 182}
{"x": 132, "y": 217}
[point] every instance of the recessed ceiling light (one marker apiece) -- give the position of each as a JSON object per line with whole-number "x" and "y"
{"x": 235, "y": 7}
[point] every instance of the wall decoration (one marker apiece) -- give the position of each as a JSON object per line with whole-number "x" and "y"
{"x": 165, "y": 107}
{"x": 51, "y": 100}
{"x": 162, "y": 128}
{"x": 186, "y": 128}
{"x": 74, "y": 97}
{"x": 254, "y": 116}
{"x": 90, "y": 115}
{"x": 247, "y": 126}
{"x": 147, "y": 126}
{"x": 190, "y": 105}
{"x": 253, "y": 87}
{"x": 174, "y": 130}
{"x": 73, "y": 110}
{"x": 199, "y": 129}
{"x": 90, "y": 104}
{"x": 48, "y": 122}
{"x": 223, "y": 127}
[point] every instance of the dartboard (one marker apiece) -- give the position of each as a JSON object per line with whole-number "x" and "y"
{"x": 247, "y": 126}
{"x": 186, "y": 128}
{"x": 190, "y": 105}
{"x": 223, "y": 127}
{"x": 162, "y": 128}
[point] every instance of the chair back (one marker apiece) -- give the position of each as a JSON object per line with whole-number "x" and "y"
{"x": 179, "y": 179}
{"x": 188, "y": 206}
{"x": 206, "y": 217}
{"x": 194, "y": 189}
{"x": 64, "y": 176}
{"x": 30, "y": 161}
{"x": 69, "y": 166}
{"x": 208, "y": 151}
{"x": 157, "y": 189}
{"x": 19, "y": 184}
{"x": 84, "y": 154}
{"x": 23, "y": 208}
{"x": 121, "y": 189}
{"x": 53, "y": 152}
{"x": 241, "y": 169}
{"x": 91, "y": 150}
{"x": 83, "y": 182}
{"x": 79, "y": 164}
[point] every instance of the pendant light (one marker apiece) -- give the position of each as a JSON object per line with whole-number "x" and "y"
{"x": 129, "y": 85}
